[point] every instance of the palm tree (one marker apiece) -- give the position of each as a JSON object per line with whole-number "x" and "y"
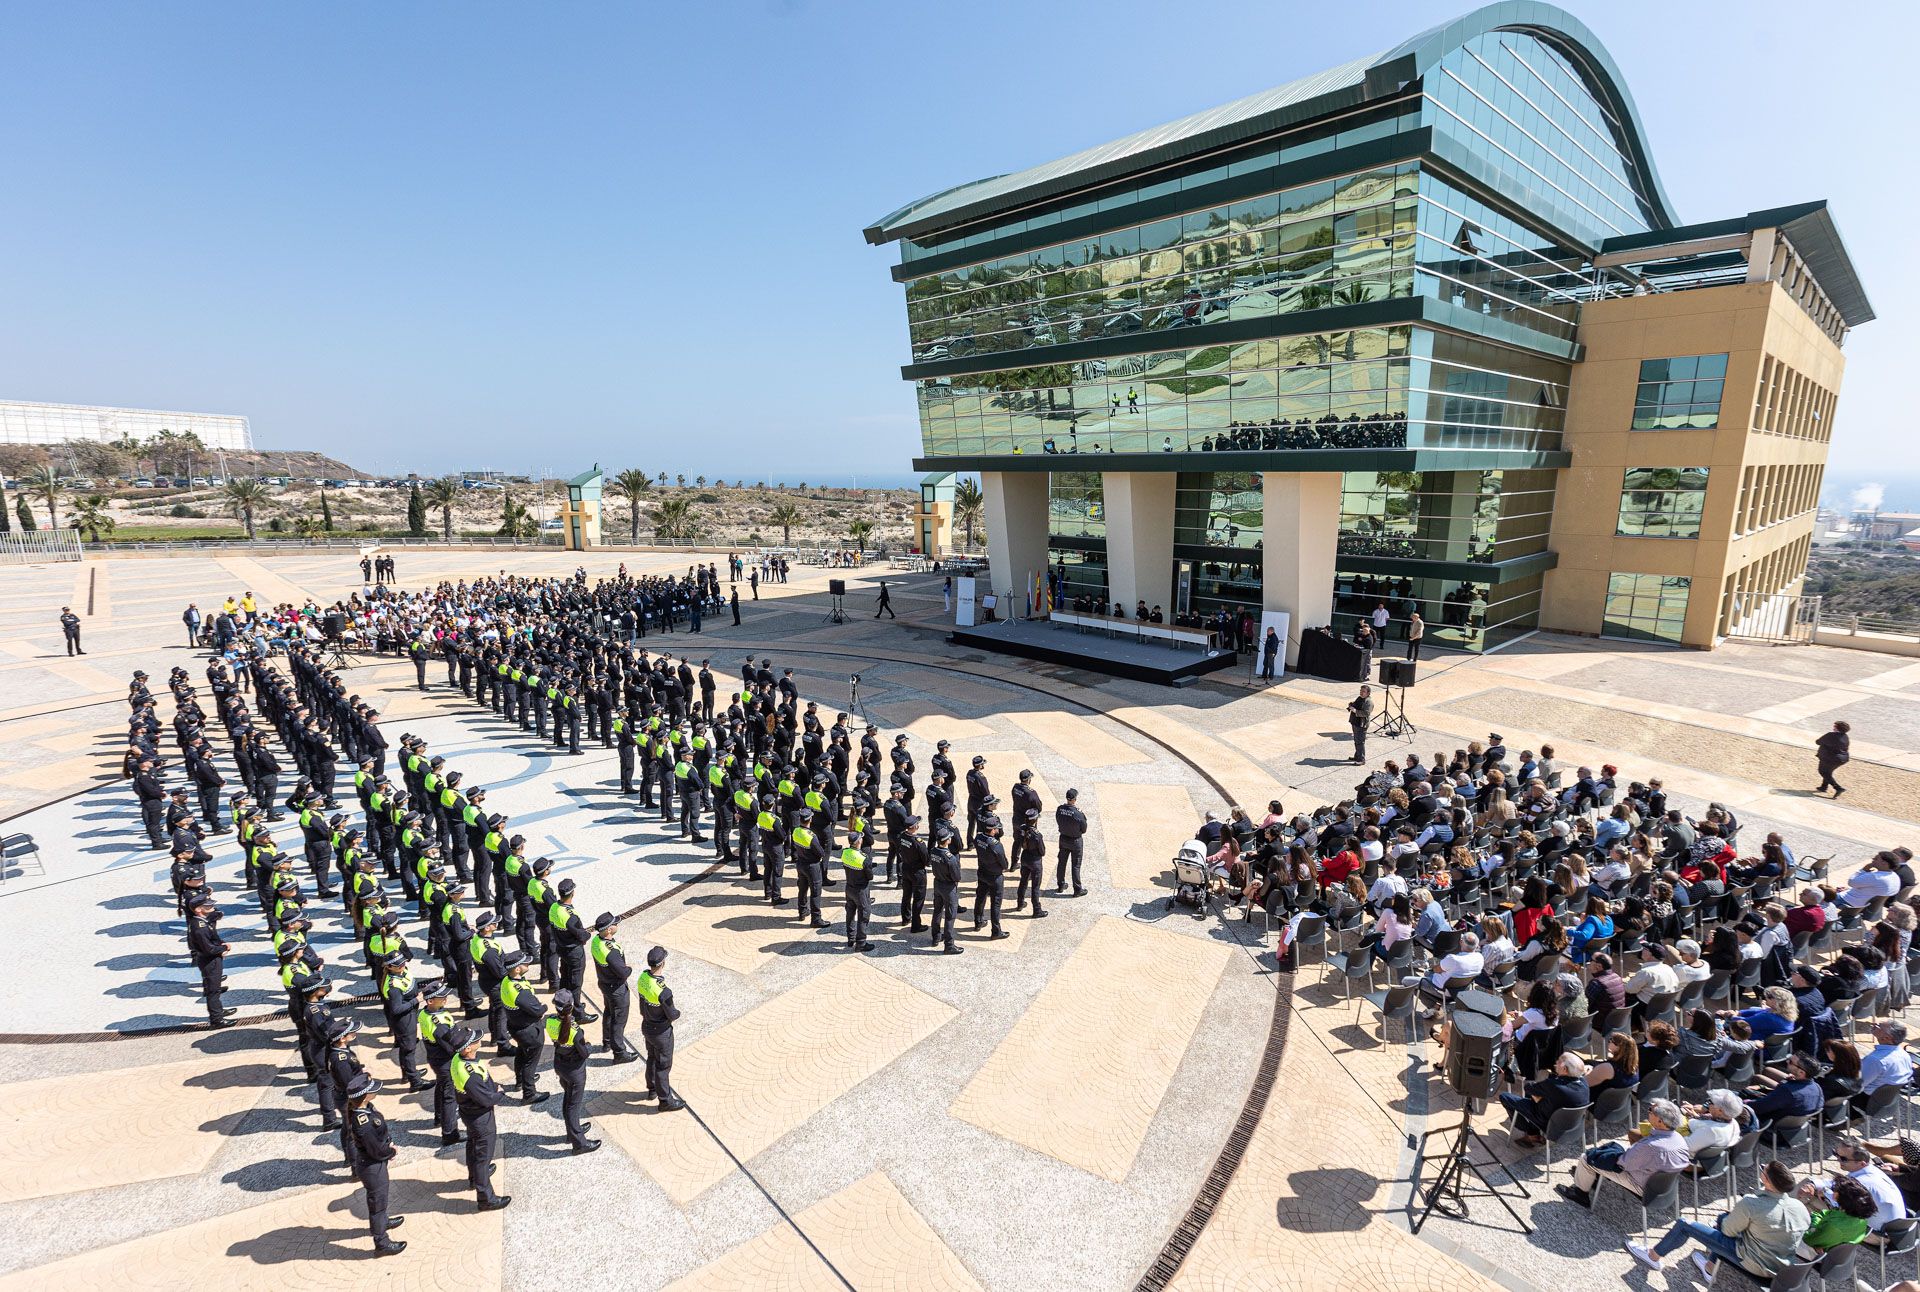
{"x": 44, "y": 483}
{"x": 90, "y": 517}
{"x": 630, "y": 484}
{"x": 681, "y": 480}
{"x": 662, "y": 478}
{"x": 246, "y": 497}
{"x": 859, "y": 531}
{"x": 674, "y": 519}
{"x": 969, "y": 506}
{"x": 443, "y": 493}
{"x": 308, "y": 526}
{"x": 786, "y": 515}
{"x": 700, "y": 482}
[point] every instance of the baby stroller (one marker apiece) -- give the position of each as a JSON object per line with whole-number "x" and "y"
{"x": 1190, "y": 878}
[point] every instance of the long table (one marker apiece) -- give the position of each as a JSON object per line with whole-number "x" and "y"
{"x": 1199, "y": 639}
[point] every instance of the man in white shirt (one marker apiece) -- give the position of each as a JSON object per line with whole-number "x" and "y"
{"x": 1715, "y": 1124}
{"x": 1463, "y": 965}
{"x": 1887, "y": 1063}
{"x": 1854, "y": 1159}
{"x": 1385, "y": 889}
{"x": 1875, "y": 879}
{"x": 1688, "y": 967}
{"x": 1654, "y": 978}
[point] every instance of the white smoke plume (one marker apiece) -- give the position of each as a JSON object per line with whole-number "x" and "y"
{"x": 1867, "y": 497}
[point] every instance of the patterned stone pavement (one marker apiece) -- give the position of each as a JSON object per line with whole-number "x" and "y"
{"x": 1037, "y": 1113}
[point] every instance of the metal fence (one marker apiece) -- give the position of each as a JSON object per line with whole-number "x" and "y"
{"x": 1883, "y": 625}
{"x": 1777, "y": 618}
{"x": 293, "y": 543}
{"x": 39, "y": 546}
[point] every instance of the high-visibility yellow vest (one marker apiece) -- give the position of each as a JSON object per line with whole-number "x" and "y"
{"x": 648, "y": 986}
{"x": 802, "y": 837}
{"x": 853, "y": 859}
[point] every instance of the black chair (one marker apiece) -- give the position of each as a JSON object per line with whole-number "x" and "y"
{"x": 1693, "y": 996}
{"x": 1790, "y": 1132}
{"x": 1709, "y": 1165}
{"x": 1719, "y": 987}
{"x": 1355, "y": 966}
{"x": 1895, "y": 1239}
{"x": 1837, "y": 1266}
{"x": 1739, "y": 1072}
{"x": 1881, "y": 1103}
{"x": 1575, "y": 1033}
{"x": 1661, "y": 1007}
{"x": 1559, "y": 1125}
{"x": 1310, "y": 943}
{"x": 1800, "y": 1276}
{"x": 1397, "y": 1002}
{"x": 1747, "y": 982}
{"x": 1611, "y": 1104}
{"x": 1661, "y": 1187}
{"x": 1776, "y": 1048}
{"x": 1692, "y": 1073}
{"x": 1835, "y": 1115}
{"x": 1743, "y": 1156}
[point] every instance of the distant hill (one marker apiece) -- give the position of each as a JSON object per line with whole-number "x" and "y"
{"x": 1865, "y": 584}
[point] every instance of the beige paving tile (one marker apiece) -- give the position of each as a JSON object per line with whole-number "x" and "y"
{"x": 1083, "y": 1072}
{"x": 313, "y": 1239}
{"x": 868, "y": 1230}
{"x": 1078, "y": 741}
{"x": 1279, "y": 737}
{"x": 1806, "y": 706}
{"x": 268, "y": 587}
{"x": 1143, "y": 826}
{"x": 734, "y": 929}
{"x": 768, "y": 1071}
{"x": 922, "y": 724}
{"x": 68, "y": 773}
{"x": 167, "y": 1121}
{"x": 79, "y": 672}
{"x": 1895, "y": 679}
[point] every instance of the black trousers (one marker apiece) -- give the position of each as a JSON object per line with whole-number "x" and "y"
{"x": 573, "y": 1101}
{"x": 320, "y": 861}
{"x": 1070, "y": 850}
{"x": 209, "y": 796}
{"x": 626, "y": 771}
{"x": 481, "y": 1138}
{"x": 946, "y": 911}
{"x": 153, "y": 815}
{"x": 659, "y": 1061}
{"x": 988, "y": 892}
{"x": 443, "y": 1105}
{"x": 482, "y": 866}
{"x": 211, "y": 973}
{"x": 613, "y": 1020}
{"x": 406, "y": 1039}
{"x": 859, "y": 910}
{"x": 374, "y": 1176}
{"x": 528, "y": 1047}
{"x": 913, "y": 896}
{"x": 808, "y": 885}
{"x": 1032, "y": 875}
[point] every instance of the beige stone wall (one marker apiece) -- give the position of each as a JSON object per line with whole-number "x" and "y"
{"x": 1746, "y": 322}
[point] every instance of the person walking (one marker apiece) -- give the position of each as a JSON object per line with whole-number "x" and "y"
{"x": 886, "y": 603}
{"x": 70, "y": 626}
{"x": 946, "y": 595}
{"x": 1832, "y": 752}
{"x": 1359, "y": 714}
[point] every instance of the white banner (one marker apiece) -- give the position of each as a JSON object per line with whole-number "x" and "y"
{"x": 963, "y": 598}
{"x": 1276, "y": 620}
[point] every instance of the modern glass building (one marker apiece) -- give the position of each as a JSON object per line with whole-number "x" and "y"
{"x": 1344, "y": 341}
{"x": 30, "y": 423}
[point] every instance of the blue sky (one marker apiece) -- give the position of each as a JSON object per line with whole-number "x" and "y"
{"x": 523, "y": 236}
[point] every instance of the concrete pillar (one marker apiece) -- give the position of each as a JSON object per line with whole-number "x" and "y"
{"x": 1449, "y": 501}
{"x": 1016, "y": 533}
{"x": 1139, "y": 510}
{"x": 1301, "y": 534}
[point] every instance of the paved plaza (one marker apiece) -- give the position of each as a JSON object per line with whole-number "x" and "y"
{"x": 1056, "y": 1110}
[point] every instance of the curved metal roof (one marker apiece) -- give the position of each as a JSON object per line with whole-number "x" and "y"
{"x": 1346, "y": 86}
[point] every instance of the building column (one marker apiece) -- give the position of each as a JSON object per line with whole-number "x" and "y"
{"x": 1016, "y": 533}
{"x": 1449, "y": 504}
{"x": 1301, "y": 535}
{"x": 1139, "y": 511}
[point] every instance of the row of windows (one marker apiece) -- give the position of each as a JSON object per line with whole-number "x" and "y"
{"x": 1662, "y": 502}
{"x": 1220, "y": 509}
{"x": 1745, "y": 593}
{"x": 1679, "y": 394}
{"x": 1471, "y": 615}
{"x": 1789, "y": 403}
{"x": 1315, "y": 140}
{"x": 1646, "y": 607}
{"x": 1771, "y": 494}
{"x": 1480, "y": 516}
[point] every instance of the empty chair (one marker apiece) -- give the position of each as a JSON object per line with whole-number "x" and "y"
{"x": 1709, "y": 1165}
{"x": 1692, "y": 1073}
{"x": 1743, "y": 1156}
{"x": 1355, "y": 966}
{"x": 1896, "y": 1238}
{"x": 1612, "y": 1103}
{"x": 1790, "y": 1132}
{"x": 1397, "y": 1002}
{"x": 1310, "y": 942}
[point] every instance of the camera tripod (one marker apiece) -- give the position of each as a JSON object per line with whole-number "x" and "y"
{"x": 837, "y": 615}
{"x": 1448, "y": 1193}
{"x": 1393, "y": 721}
{"x": 336, "y": 651}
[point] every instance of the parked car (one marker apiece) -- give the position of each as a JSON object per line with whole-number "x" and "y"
{"x": 199, "y": 482}
{"x": 143, "y": 483}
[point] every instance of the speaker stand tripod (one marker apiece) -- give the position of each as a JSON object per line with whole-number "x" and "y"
{"x": 1448, "y": 1193}
{"x": 337, "y": 655}
{"x": 837, "y": 615}
{"x": 1393, "y": 721}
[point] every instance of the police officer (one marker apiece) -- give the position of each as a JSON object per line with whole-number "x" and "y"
{"x": 208, "y": 957}
{"x": 946, "y": 898}
{"x": 657, "y": 1013}
{"x": 912, "y": 852}
{"x": 153, "y": 802}
{"x": 570, "y": 1047}
{"x": 612, "y": 973}
{"x": 526, "y": 1024}
{"x": 436, "y": 1029}
{"x": 373, "y": 1148}
{"x": 1030, "y": 850}
{"x": 856, "y": 858}
{"x": 342, "y": 1066}
{"x": 477, "y": 1095}
{"x": 623, "y": 736}
{"x": 978, "y": 792}
{"x": 989, "y": 884}
{"x": 400, "y": 999}
{"x": 1072, "y": 825}
{"x": 809, "y": 868}
{"x": 570, "y": 938}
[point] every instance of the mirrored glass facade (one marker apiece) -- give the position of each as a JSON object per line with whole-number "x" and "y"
{"x": 1679, "y": 394}
{"x": 1647, "y": 607}
{"x": 1662, "y": 502}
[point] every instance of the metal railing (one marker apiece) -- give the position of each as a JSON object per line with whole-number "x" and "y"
{"x": 1885, "y": 625}
{"x": 288, "y": 542}
{"x": 39, "y": 546}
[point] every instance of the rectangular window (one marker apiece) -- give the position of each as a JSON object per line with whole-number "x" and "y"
{"x": 1662, "y": 502}
{"x": 1646, "y": 607}
{"x": 1679, "y": 394}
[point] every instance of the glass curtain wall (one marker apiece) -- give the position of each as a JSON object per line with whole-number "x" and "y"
{"x": 1463, "y": 615}
{"x": 1478, "y": 516}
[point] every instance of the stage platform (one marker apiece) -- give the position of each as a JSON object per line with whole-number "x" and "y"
{"x": 1094, "y": 650}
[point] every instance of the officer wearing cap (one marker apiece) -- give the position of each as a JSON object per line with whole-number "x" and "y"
{"x": 657, "y": 1014}
{"x": 946, "y": 898}
{"x": 570, "y": 1047}
{"x": 856, "y": 859}
{"x": 342, "y": 1066}
{"x": 911, "y": 850}
{"x": 1071, "y": 823}
{"x": 809, "y": 868}
{"x": 477, "y": 1094}
{"x": 940, "y": 762}
{"x": 373, "y": 1147}
{"x": 978, "y": 792}
{"x": 570, "y": 938}
{"x": 400, "y": 999}
{"x": 1030, "y": 849}
{"x": 612, "y": 973}
{"x": 991, "y": 858}
{"x": 903, "y": 766}
{"x": 525, "y": 1023}
{"x": 209, "y": 954}
{"x": 317, "y": 1021}
{"x": 1025, "y": 798}
{"x": 436, "y": 1031}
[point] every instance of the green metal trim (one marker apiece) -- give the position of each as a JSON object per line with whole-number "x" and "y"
{"x": 1282, "y": 460}
{"x": 1518, "y": 567}
{"x": 1406, "y": 146}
